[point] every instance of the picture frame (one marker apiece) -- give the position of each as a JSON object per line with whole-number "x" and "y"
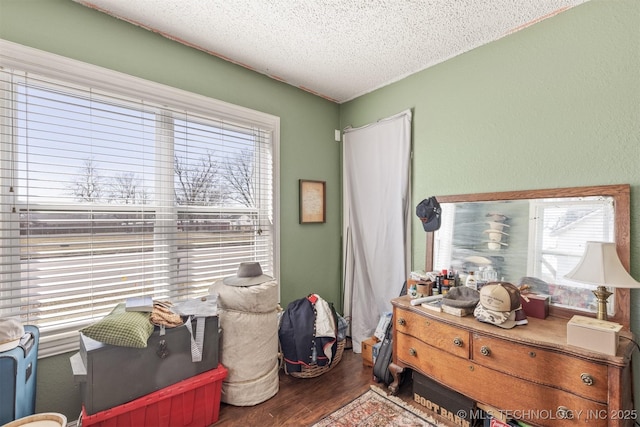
{"x": 312, "y": 201}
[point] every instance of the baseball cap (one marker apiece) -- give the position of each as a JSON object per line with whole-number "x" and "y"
{"x": 429, "y": 212}
{"x": 11, "y": 330}
{"x": 498, "y": 304}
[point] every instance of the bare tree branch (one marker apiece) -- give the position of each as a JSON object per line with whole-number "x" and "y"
{"x": 198, "y": 184}
{"x": 125, "y": 188}
{"x": 239, "y": 176}
{"x": 88, "y": 184}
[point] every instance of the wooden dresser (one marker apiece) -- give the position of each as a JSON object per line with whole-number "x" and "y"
{"x": 528, "y": 371}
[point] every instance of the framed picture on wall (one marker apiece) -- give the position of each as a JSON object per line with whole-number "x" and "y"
{"x": 312, "y": 201}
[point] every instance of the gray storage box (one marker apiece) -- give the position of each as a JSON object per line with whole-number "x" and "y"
{"x": 112, "y": 375}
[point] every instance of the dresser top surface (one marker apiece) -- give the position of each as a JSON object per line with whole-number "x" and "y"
{"x": 549, "y": 333}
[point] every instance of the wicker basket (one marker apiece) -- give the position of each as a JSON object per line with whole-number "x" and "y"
{"x": 315, "y": 371}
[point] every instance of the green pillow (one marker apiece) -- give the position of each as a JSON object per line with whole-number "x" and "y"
{"x": 123, "y": 328}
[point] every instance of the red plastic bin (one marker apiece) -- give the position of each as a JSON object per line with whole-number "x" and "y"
{"x": 194, "y": 402}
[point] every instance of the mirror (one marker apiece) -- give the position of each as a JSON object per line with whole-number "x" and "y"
{"x": 535, "y": 237}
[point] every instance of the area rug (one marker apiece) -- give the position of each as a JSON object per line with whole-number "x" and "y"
{"x": 376, "y": 408}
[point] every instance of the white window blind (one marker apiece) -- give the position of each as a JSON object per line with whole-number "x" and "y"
{"x": 559, "y": 232}
{"x": 108, "y": 194}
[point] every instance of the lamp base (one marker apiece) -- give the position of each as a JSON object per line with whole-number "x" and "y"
{"x": 602, "y": 294}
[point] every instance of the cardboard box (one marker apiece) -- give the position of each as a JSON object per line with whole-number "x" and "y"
{"x": 367, "y": 351}
{"x": 444, "y": 402}
{"x": 535, "y": 305}
{"x": 194, "y": 402}
{"x": 593, "y": 334}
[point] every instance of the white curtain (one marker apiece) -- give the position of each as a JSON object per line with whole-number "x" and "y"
{"x": 376, "y": 229}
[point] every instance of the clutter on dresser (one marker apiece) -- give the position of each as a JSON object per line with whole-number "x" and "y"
{"x": 420, "y": 284}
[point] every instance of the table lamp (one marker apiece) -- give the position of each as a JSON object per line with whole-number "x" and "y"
{"x": 601, "y": 266}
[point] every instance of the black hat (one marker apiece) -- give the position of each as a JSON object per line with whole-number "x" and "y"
{"x": 429, "y": 212}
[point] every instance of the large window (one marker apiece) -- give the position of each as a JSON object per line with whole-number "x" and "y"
{"x": 115, "y": 187}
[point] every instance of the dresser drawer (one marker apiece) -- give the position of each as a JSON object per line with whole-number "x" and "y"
{"x": 535, "y": 403}
{"x": 581, "y": 377}
{"x": 439, "y": 335}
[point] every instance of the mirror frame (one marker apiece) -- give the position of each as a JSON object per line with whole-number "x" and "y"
{"x": 621, "y": 198}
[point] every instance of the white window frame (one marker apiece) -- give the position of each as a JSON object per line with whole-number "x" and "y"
{"x": 16, "y": 56}
{"x": 537, "y": 235}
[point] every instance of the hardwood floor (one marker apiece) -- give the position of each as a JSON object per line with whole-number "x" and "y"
{"x": 304, "y": 401}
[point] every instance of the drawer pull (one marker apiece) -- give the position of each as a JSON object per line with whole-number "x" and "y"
{"x": 471, "y": 367}
{"x": 586, "y": 379}
{"x": 564, "y": 413}
{"x": 485, "y": 350}
{"x": 413, "y": 352}
{"x": 532, "y": 354}
{"x": 457, "y": 342}
{"x": 402, "y": 322}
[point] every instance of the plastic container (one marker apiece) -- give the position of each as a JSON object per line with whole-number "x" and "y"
{"x": 194, "y": 402}
{"x": 110, "y": 375}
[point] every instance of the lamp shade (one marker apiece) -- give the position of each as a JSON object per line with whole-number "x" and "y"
{"x": 601, "y": 266}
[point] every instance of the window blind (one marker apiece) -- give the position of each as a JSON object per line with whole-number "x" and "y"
{"x": 106, "y": 195}
{"x": 562, "y": 227}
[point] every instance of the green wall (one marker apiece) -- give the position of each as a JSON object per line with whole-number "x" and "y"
{"x": 554, "y": 105}
{"x": 310, "y": 254}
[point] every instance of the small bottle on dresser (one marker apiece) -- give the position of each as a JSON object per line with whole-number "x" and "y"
{"x": 471, "y": 281}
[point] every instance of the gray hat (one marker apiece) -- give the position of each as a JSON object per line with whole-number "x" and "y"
{"x": 462, "y": 297}
{"x": 11, "y": 330}
{"x": 249, "y": 274}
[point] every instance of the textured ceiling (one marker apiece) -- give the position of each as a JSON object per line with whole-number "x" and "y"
{"x": 337, "y": 49}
